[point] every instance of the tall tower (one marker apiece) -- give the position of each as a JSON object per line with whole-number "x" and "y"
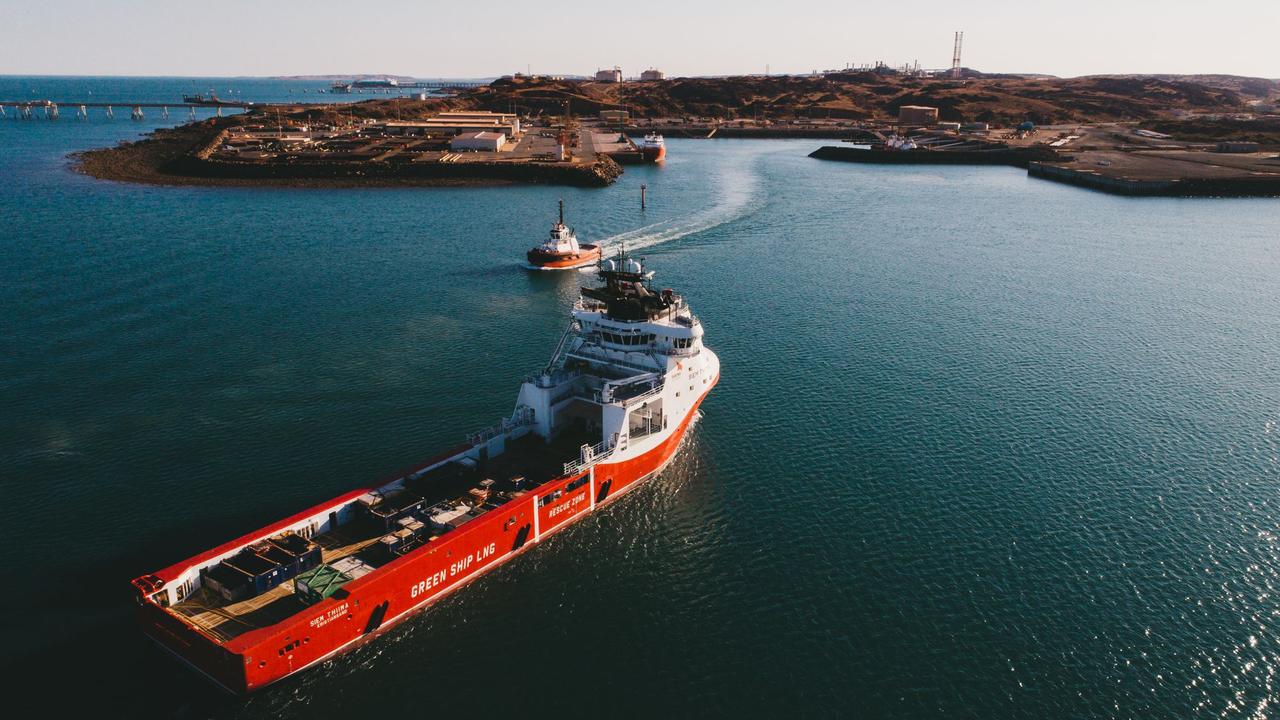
{"x": 955, "y": 55}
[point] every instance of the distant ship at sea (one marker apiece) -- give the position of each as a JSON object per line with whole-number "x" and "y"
{"x": 211, "y": 99}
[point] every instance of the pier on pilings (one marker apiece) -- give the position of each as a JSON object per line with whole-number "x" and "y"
{"x": 137, "y": 113}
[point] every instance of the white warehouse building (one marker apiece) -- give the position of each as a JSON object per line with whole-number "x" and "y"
{"x": 485, "y": 141}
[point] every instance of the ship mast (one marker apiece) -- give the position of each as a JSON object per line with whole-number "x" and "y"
{"x": 561, "y": 211}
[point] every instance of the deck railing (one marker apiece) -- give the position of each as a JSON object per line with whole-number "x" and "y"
{"x": 651, "y": 426}
{"x": 619, "y": 394}
{"x": 587, "y": 457}
{"x": 522, "y": 416}
{"x": 589, "y": 356}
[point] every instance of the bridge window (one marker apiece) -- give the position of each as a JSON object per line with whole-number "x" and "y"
{"x": 621, "y": 339}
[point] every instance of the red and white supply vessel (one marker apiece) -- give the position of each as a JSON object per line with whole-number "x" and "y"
{"x": 562, "y": 251}
{"x": 608, "y": 411}
{"x": 653, "y": 148}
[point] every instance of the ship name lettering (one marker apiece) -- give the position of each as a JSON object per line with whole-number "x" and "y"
{"x": 424, "y": 585}
{"x": 337, "y": 612}
{"x": 462, "y": 565}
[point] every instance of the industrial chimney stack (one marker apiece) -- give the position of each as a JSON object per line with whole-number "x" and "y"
{"x": 955, "y": 55}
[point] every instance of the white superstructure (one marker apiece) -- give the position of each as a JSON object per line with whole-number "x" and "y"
{"x": 630, "y": 369}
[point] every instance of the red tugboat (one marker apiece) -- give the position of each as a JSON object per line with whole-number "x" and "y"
{"x": 562, "y": 251}
{"x": 653, "y": 148}
{"x": 607, "y": 412}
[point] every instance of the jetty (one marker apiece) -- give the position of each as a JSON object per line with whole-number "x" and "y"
{"x": 1115, "y": 158}
{"x": 52, "y": 110}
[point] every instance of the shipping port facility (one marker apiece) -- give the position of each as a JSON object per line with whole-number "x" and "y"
{"x": 444, "y": 137}
{"x": 1118, "y": 158}
{"x": 451, "y": 137}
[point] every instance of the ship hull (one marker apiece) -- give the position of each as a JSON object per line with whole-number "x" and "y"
{"x": 375, "y": 603}
{"x": 653, "y": 154}
{"x": 587, "y": 255}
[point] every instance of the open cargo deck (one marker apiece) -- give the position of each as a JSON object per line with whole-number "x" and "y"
{"x": 453, "y": 493}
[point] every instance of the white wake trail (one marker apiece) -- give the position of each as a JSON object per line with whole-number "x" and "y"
{"x": 738, "y": 183}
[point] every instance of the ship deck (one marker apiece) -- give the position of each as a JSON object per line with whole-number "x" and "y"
{"x": 528, "y": 457}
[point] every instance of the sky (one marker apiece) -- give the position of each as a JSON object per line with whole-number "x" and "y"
{"x": 433, "y": 38}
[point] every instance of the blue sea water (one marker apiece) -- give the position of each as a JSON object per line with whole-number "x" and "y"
{"x": 72, "y": 90}
{"x": 984, "y": 445}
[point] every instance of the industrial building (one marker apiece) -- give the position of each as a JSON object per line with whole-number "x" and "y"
{"x": 609, "y": 76}
{"x": 614, "y": 116}
{"x": 480, "y": 116}
{"x": 452, "y": 123}
{"x": 478, "y": 141}
{"x": 917, "y": 115}
{"x": 651, "y": 75}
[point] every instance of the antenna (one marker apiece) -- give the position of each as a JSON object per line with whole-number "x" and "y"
{"x": 561, "y": 211}
{"x": 955, "y": 55}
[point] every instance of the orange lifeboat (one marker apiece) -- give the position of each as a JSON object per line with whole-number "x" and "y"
{"x": 562, "y": 251}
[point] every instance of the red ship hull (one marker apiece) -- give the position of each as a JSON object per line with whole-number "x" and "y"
{"x": 587, "y": 255}
{"x": 653, "y": 154}
{"x": 371, "y": 604}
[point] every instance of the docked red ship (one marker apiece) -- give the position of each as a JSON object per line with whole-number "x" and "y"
{"x": 653, "y": 148}
{"x": 608, "y": 411}
{"x": 561, "y": 251}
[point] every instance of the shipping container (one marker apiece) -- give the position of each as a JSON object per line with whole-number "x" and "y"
{"x": 307, "y": 554}
{"x": 319, "y": 583}
{"x": 263, "y": 574}
{"x": 232, "y": 584}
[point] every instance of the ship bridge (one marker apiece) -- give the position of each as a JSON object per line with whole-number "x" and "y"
{"x": 609, "y": 372}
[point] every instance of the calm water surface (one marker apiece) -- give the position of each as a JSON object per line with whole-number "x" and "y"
{"x": 984, "y": 446}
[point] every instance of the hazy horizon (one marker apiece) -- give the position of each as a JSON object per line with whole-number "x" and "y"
{"x": 146, "y": 38}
